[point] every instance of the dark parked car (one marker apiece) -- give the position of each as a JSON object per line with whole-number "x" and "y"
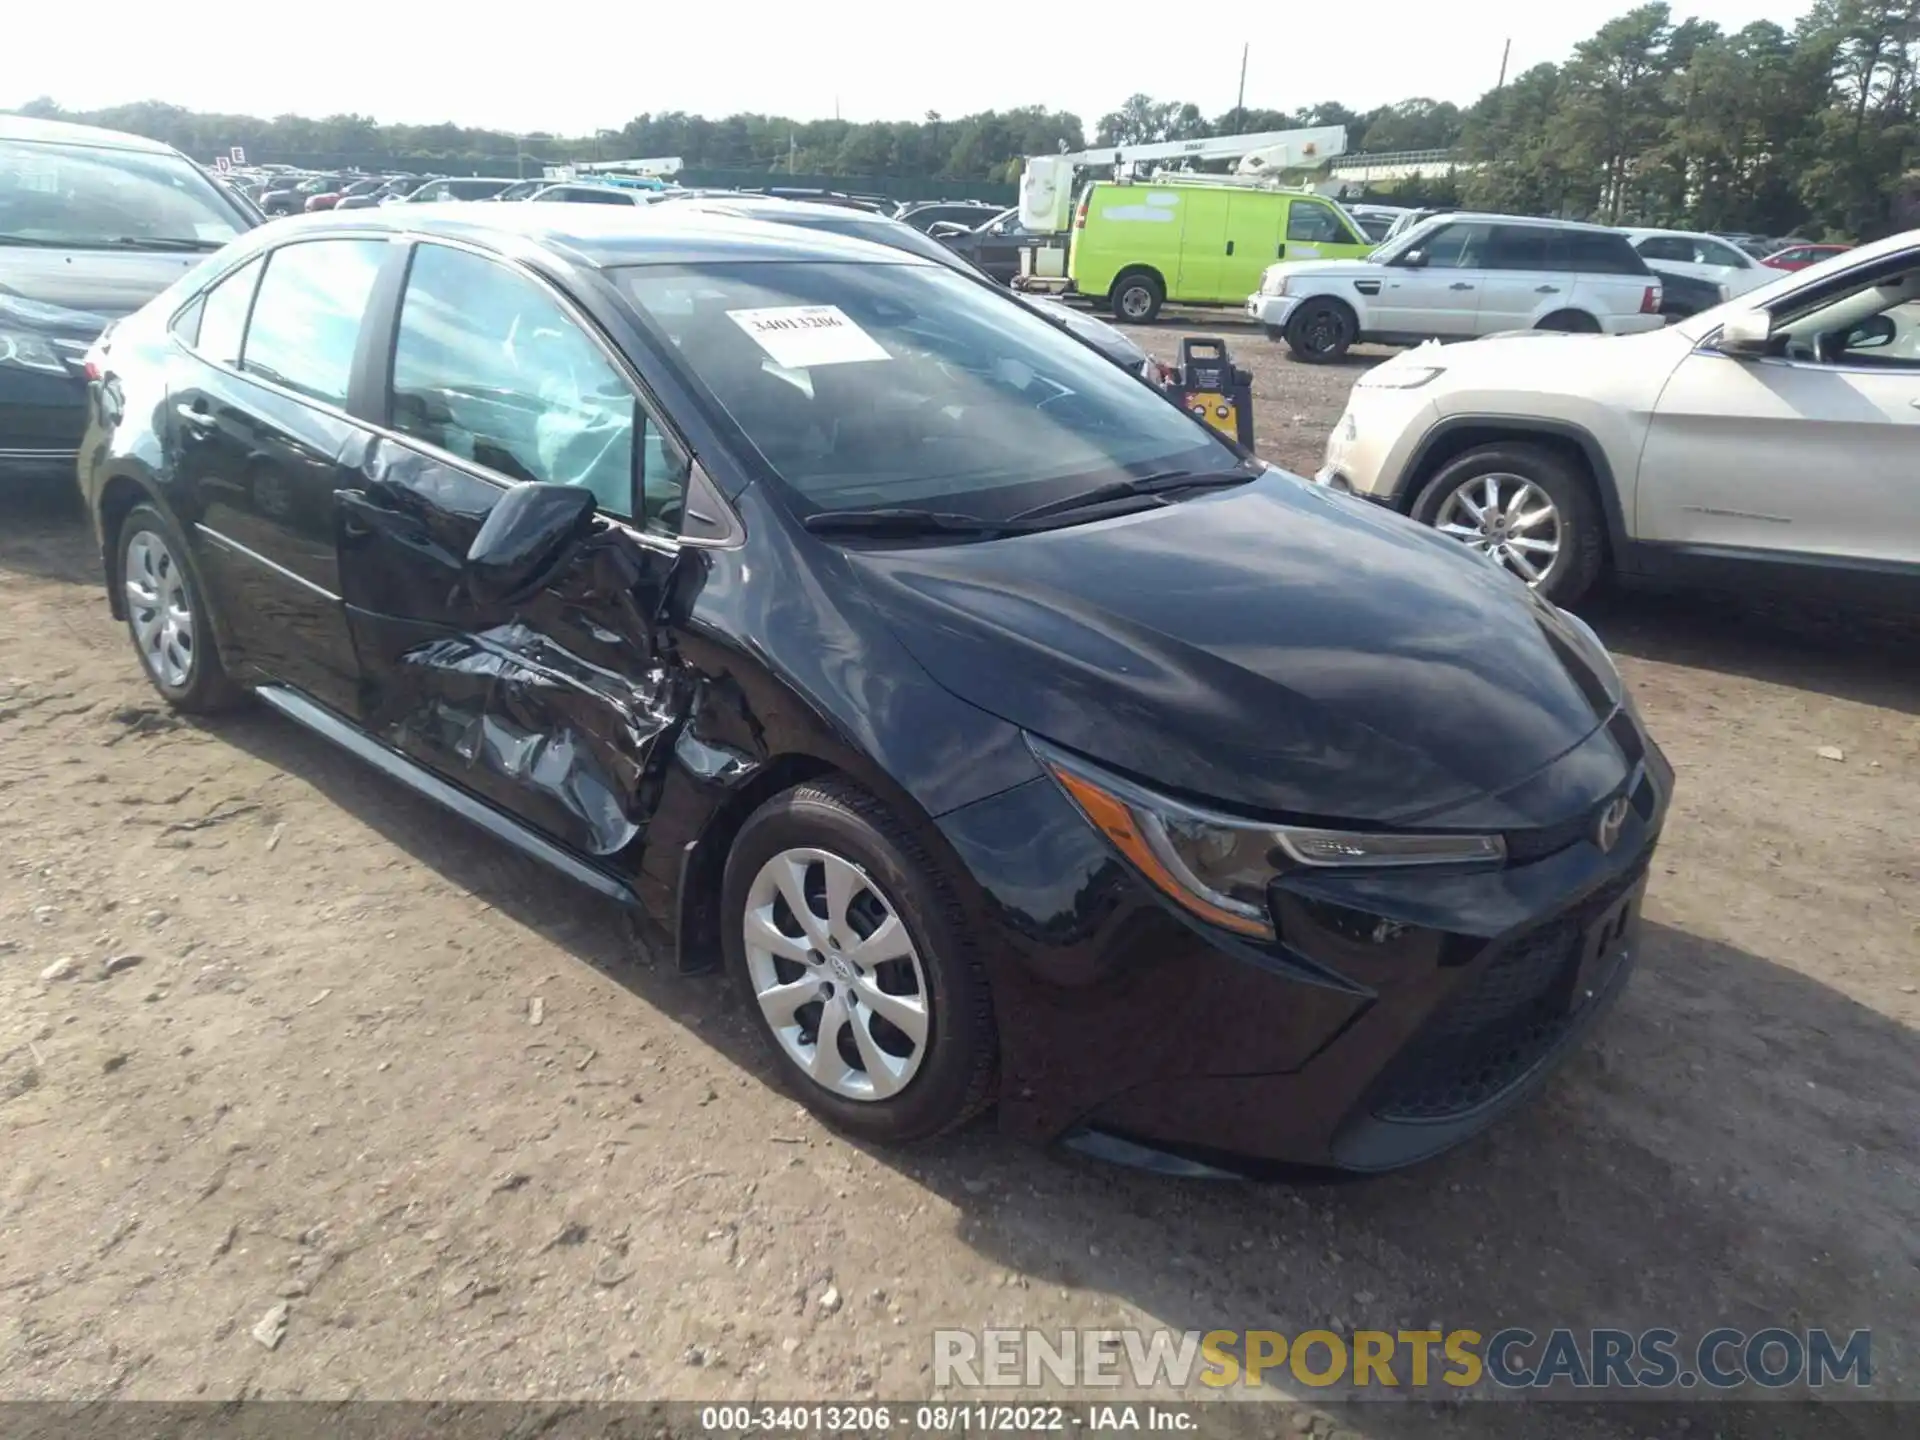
{"x": 1684, "y": 295}
{"x": 93, "y": 224}
{"x": 1007, "y": 731}
{"x": 993, "y": 246}
{"x": 924, "y": 214}
{"x": 837, "y": 220}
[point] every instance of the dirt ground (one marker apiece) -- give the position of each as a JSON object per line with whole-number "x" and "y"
{"x": 273, "y": 1031}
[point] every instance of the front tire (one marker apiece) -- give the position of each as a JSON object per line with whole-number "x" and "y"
{"x": 1525, "y": 507}
{"x": 856, "y": 961}
{"x": 168, "y": 616}
{"x": 1320, "y": 332}
{"x": 1136, "y": 297}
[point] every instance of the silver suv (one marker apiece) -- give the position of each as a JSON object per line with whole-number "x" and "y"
{"x": 1774, "y": 439}
{"x": 1455, "y": 277}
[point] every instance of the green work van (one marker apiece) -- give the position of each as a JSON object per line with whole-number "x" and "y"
{"x": 1137, "y": 244}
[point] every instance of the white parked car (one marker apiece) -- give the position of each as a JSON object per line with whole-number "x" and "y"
{"x": 1458, "y": 276}
{"x": 1772, "y": 439}
{"x": 1704, "y": 257}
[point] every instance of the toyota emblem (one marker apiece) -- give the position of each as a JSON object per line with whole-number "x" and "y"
{"x": 1606, "y": 834}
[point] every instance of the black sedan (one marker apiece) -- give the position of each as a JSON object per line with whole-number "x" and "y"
{"x": 1004, "y": 731}
{"x": 93, "y": 224}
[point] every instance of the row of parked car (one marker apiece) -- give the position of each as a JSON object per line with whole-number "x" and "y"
{"x": 1767, "y": 442}
{"x": 1456, "y": 275}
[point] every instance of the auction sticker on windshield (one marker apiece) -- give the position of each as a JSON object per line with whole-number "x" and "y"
{"x": 797, "y": 336}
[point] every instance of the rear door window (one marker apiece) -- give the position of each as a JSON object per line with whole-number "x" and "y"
{"x": 1525, "y": 247}
{"x": 223, "y": 314}
{"x": 306, "y": 316}
{"x": 1603, "y": 252}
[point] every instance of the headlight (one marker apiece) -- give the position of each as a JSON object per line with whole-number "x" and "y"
{"x": 1217, "y": 867}
{"x": 27, "y": 351}
{"x": 1398, "y": 377}
{"x": 1273, "y": 284}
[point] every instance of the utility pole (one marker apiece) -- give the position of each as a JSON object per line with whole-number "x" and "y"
{"x": 1505, "y": 51}
{"x": 1240, "y": 101}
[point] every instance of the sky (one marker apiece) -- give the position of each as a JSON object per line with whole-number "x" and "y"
{"x": 590, "y": 64}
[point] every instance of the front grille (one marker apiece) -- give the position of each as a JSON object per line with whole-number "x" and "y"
{"x": 1491, "y": 1034}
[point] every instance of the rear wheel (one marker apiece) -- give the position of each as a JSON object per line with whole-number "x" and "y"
{"x": 1321, "y": 331}
{"x": 845, "y": 937}
{"x": 1526, "y": 508}
{"x": 1136, "y": 297}
{"x": 167, "y": 615}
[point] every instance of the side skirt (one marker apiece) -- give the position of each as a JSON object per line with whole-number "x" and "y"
{"x": 326, "y": 724}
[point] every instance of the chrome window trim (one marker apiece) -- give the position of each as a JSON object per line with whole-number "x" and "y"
{"x": 666, "y": 544}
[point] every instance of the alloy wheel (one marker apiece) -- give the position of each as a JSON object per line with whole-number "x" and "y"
{"x": 1321, "y": 333}
{"x": 836, "y": 974}
{"x": 1508, "y": 518}
{"x": 160, "y": 608}
{"x": 1135, "y": 302}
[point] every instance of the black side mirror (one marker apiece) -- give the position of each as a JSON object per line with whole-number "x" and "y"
{"x": 525, "y": 538}
{"x": 1871, "y": 334}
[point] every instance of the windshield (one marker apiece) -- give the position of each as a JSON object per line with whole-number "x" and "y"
{"x": 81, "y": 195}
{"x": 876, "y": 386}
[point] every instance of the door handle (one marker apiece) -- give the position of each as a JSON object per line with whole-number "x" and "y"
{"x": 1229, "y": 247}
{"x": 1459, "y": 285}
{"x": 1280, "y": 251}
{"x": 1546, "y": 290}
{"x": 194, "y": 416}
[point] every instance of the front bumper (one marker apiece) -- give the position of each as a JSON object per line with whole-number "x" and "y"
{"x": 42, "y": 420}
{"x": 1372, "y": 441}
{"x": 1399, "y": 1014}
{"x": 1271, "y": 310}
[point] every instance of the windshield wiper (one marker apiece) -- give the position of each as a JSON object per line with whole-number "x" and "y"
{"x": 154, "y": 242}
{"x": 1146, "y": 485}
{"x": 116, "y": 242}
{"x": 902, "y": 522}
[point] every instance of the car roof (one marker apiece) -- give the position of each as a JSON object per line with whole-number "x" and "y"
{"x": 61, "y": 132}
{"x": 1677, "y": 234}
{"x": 602, "y": 235}
{"x": 1544, "y": 222}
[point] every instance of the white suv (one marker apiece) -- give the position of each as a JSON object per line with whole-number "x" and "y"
{"x": 1772, "y": 439}
{"x": 1456, "y": 277}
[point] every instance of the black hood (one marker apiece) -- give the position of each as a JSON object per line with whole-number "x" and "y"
{"x": 1272, "y": 648}
{"x": 96, "y": 286}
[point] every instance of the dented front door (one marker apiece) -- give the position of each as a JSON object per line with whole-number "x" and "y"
{"x": 552, "y": 708}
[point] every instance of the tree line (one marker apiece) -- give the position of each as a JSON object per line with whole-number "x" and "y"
{"x": 1653, "y": 120}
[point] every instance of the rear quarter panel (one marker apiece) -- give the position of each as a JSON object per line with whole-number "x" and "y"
{"x": 1128, "y": 225}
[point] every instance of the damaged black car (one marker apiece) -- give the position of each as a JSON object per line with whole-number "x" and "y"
{"x": 1013, "y": 739}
